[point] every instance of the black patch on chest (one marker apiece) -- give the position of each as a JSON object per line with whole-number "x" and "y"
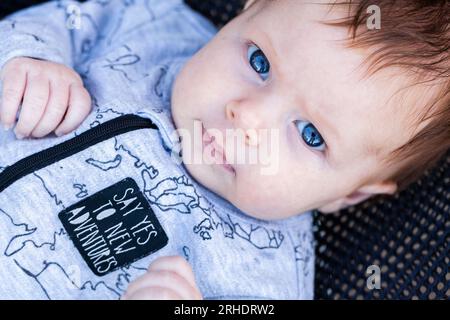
{"x": 114, "y": 227}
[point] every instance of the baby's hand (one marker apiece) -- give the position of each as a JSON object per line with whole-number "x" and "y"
{"x": 167, "y": 278}
{"x": 53, "y": 97}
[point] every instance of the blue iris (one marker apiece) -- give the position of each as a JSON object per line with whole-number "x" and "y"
{"x": 310, "y": 134}
{"x": 258, "y": 61}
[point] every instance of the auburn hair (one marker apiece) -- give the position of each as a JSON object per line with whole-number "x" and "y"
{"x": 414, "y": 35}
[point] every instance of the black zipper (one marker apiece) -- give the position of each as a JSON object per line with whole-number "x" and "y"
{"x": 67, "y": 148}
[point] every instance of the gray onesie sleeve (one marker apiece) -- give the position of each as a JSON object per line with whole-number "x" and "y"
{"x": 58, "y": 31}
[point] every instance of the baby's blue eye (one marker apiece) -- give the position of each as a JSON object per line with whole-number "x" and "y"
{"x": 310, "y": 134}
{"x": 258, "y": 61}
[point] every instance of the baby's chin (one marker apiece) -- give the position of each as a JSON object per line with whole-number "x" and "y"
{"x": 261, "y": 213}
{"x": 261, "y": 210}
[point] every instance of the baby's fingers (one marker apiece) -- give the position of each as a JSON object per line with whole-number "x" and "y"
{"x": 152, "y": 293}
{"x": 33, "y": 106}
{"x": 12, "y": 93}
{"x": 164, "y": 279}
{"x": 176, "y": 264}
{"x": 79, "y": 108}
{"x": 54, "y": 112}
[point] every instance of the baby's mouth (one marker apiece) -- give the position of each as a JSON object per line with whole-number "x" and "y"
{"x": 207, "y": 140}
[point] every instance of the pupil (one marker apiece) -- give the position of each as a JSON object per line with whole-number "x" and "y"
{"x": 259, "y": 60}
{"x": 312, "y": 138}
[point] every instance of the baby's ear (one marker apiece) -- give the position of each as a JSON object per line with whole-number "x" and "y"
{"x": 361, "y": 194}
{"x": 367, "y": 191}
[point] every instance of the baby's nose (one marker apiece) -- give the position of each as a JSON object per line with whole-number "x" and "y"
{"x": 245, "y": 119}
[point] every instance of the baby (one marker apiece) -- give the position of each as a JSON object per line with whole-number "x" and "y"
{"x": 333, "y": 120}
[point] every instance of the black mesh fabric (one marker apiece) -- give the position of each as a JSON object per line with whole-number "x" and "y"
{"x": 218, "y": 11}
{"x": 406, "y": 236}
{"x": 7, "y": 7}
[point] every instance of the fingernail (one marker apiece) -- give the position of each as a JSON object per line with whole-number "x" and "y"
{"x": 19, "y": 135}
{"x": 59, "y": 133}
{"x": 7, "y": 127}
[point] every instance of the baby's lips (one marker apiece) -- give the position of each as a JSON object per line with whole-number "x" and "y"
{"x": 206, "y": 137}
{"x": 224, "y": 157}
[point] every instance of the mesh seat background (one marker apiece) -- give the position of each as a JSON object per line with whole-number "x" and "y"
{"x": 406, "y": 236}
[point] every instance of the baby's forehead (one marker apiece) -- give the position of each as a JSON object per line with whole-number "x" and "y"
{"x": 294, "y": 8}
{"x": 406, "y": 105}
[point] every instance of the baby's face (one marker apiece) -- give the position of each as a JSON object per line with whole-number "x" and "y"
{"x": 279, "y": 75}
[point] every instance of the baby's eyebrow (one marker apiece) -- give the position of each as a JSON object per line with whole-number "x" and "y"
{"x": 319, "y": 120}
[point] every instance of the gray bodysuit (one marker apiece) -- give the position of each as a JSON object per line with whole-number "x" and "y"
{"x": 83, "y": 215}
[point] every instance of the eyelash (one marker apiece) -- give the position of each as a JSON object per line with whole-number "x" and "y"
{"x": 309, "y": 125}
